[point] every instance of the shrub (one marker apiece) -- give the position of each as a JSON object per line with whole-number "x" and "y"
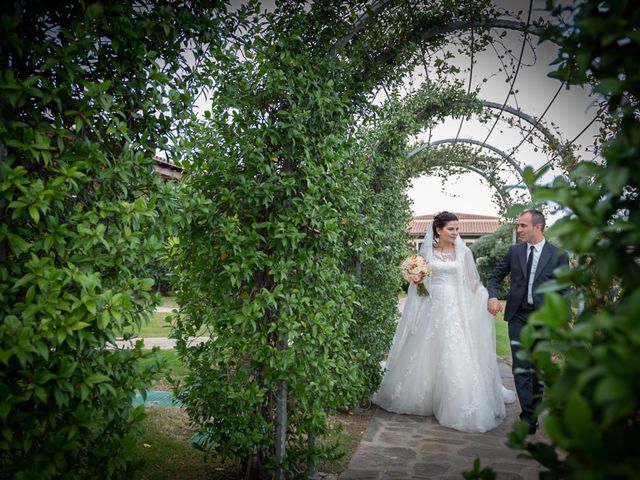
{"x": 593, "y": 396}
{"x": 85, "y": 102}
{"x": 489, "y": 250}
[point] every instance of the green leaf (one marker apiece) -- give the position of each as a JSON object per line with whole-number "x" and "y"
{"x": 611, "y": 389}
{"x": 515, "y": 211}
{"x": 556, "y": 307}
{"x": 553, "y": 426}
{"x": 616, "y": 178}
{"x": 61, "y": 398}
{"x": 48, "y": 242}
{"x": 578, "y": 417}
{"x": 81, "y": 325}
{"x": 84, "y": 392}
{"x": 41, "y": 393}
{"x": 527, "y": 336}
{"x": 609, "y": 86}
{"x": 146, "y": 284}
{"x": 529, "y": 176}
{"x": 35, "y": 215}
{"x": 91, "y": 306}
{"x": 103, "y": 320}
{"x": 96, "y": 378}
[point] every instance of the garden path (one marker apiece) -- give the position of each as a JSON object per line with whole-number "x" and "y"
{"x": 411, "y": 447}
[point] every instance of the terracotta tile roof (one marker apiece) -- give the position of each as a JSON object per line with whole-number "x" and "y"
{"x": 461, "y": 216}
{"x": 471, "y": 225}
{"x": 166, "y": 169}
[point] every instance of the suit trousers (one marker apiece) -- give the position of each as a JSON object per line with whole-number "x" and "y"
{"x": 528, "y": 386}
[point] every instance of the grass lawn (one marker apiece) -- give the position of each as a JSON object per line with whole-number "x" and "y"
{"x": 156, "y": 327}
{"x": 503, "y": 349}
{"x": 167, "y": 454}
{"x": 174, "y": 366}
{"x": 169, "y": 302}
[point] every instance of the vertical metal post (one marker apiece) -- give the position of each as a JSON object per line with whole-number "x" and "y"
{"x": 312, "y": 445}
{"x": 281, "y": 419}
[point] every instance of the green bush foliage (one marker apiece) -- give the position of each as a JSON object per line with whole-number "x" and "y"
{"x": 294, "y": 225}
{"x": 488, "y": 250}
{"x": 260, "y": 258}
{"x": 86, "y": 99}
{"x": 593, "y": 395}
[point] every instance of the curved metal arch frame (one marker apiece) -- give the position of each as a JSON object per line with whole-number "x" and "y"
{"x": 527, "y": 118}
{"x": 381, "y": 5}
{"x": 536, "y": 124}
{"x": 496, "y": 150}
{"x": 500, "y": 189}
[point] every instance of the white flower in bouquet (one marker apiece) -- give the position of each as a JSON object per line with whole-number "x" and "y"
{"x": 414, "y": 269}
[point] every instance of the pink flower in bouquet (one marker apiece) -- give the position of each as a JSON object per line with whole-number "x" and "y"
{"x": 414, "y": 269}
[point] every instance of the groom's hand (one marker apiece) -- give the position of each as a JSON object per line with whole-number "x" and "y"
{"x": 494, "y": 306}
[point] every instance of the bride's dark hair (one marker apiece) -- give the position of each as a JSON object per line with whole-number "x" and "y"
{"x": 440, "y": 220}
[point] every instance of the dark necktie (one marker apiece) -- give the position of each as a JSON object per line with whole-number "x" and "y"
{"x": 529, "y": 264}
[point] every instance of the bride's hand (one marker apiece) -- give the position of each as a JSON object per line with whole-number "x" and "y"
{"x": 494, "y": 306}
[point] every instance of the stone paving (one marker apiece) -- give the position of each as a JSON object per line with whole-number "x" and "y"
{"x": 411, "y": 447}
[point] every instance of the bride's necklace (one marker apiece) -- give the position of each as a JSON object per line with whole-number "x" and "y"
{"x": 444, "y": 254}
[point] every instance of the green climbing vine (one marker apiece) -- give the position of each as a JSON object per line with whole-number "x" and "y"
{"x": 294, "y": 224}
{"x": 89, "y": 92}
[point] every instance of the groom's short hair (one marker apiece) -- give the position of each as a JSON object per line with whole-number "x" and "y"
{"x": 537, "y": 218}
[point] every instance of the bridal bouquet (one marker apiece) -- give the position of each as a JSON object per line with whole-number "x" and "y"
{"x": 414, "y": 269}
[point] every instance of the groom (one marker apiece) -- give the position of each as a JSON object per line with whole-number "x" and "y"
{"x": 530, "y": 264}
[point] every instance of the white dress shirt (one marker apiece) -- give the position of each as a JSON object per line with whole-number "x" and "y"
{"x": 537, "y": 250}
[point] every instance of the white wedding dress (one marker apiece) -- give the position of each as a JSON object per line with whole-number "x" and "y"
{"x": 443, "y": 358}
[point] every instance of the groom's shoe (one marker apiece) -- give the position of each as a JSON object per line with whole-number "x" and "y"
{"x": 533, "y": 423}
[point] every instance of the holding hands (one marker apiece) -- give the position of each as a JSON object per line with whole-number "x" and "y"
{"x": 494, "y": 306}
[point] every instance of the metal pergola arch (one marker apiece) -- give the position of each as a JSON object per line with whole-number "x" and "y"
{"x": 427, "y": 32}
{"x": 471, "y": 141}
{"x": 536, "y": 124}
{"x": 500, "y": 189}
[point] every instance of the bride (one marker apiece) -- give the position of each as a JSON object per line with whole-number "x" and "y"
{"x": 443, "y": 357}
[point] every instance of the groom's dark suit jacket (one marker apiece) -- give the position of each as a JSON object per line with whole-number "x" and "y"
{"x": 515, "y": 263}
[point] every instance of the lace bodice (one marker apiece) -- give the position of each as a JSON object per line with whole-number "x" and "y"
{"x": 461, "y": 268}
{"x": 445, "y": 271}
{"x": 444, "y": 255}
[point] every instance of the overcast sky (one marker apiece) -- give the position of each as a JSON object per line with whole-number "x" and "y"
{"x": 572, "y": 110}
